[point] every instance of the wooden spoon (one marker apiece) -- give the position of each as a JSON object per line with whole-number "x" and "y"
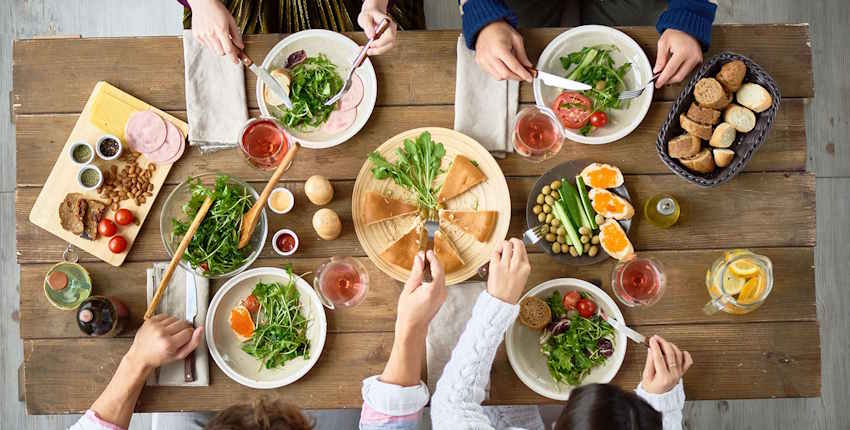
{"x": 178, "y": 254}
{"x": 249, "y": 219}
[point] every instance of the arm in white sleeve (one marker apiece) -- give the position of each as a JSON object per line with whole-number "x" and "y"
{"x": 670, "y": 404}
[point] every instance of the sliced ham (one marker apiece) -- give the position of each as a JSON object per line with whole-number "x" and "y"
{"x": 172, "y": 149}
{"x": 353, "y": 96}
{"x": 145, "y": 131}
{"x": 339, "y": 120}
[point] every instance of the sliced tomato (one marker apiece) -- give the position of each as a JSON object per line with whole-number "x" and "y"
{"x": 573, "y": 109}
{"x": 586, "y": 308}
{"x": 570, "y": 299}
{"x": 251, "y": 303}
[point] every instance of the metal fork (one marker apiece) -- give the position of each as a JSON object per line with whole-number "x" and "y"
{"x": 432, "y": 224}
{"x": 361, "y": 57}
{"x": 533, "y": 235}
{"x": 630, "y": 94}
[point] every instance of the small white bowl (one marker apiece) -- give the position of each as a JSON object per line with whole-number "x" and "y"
{"x": 89, "y": 167}
{"x": 74, "y": 146}
{"x": 280, "y": 251}
{"x": 285, "y": 191}
{"x": 101, "y": 139}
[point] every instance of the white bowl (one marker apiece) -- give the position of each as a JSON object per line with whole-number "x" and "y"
{"x": 341, "y": 51}
{"x": 280, "y": 251}
{"x": 115, "y": 155}
{"x": 523, "y": 346}
{"x": 621, "y": 122}
{"x": 226, "y": 350}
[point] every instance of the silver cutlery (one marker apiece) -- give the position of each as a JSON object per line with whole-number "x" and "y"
{"x": 630, "y": 94}
{"x": 533, "y": 235}
{"x": 358, "y": 60}
{"x": 267, "y": 78}
{"x": 191, "y": 313}
{"x": 557, "y": 81}
{"x": 631, "y": 334}
{"x": 432, "y": 224}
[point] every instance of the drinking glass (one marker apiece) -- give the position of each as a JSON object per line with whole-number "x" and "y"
{"x": 258, "y": 141}
{"x": 537, "y": 133}
{"x": 638, "y": 281}
{"x": 341, "y": 282}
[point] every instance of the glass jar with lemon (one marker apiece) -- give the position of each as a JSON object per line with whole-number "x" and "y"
{"x": 738, "y": 282}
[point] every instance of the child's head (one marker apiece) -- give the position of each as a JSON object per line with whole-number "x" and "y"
{"x": 262, "y": 415}
{"x": 606, "y": 406}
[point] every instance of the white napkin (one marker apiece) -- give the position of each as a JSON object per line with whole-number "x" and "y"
{"x": 174, "y": 303}
{"x": 215, "y": 97}
{"x": 447, "y": 326}
{"x": 484, "y": 107}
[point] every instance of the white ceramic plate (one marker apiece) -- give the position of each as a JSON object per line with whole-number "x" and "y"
{"x": 340, "y": 50}
{"x": 523, "y": 346}
{"x": 227, "y": 351}
{"x": 621, "y": 122}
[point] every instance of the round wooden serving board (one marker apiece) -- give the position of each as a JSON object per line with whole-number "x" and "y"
{"x": 492, "y": 194}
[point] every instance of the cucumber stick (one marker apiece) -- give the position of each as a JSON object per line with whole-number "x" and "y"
{"x": 571, "y": 199}
{"x": 585, "y": 203}
{"x": 572, "y": 233}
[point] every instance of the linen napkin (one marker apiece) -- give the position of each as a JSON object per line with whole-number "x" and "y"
{"x": 215, "y": 97}
{"x": 174, "y": 303}
{"x": 484, "y": 107}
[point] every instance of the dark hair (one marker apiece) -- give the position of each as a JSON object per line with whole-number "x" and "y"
{"x": 264, "y": 414}
{"x": 607, "y": 406}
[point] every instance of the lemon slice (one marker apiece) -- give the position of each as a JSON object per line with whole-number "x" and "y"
{"x": 744, "y": 268}
{"x": 733, "y": 284}
{"x": 729, "y": 255}
{"x": 752, "y": 291}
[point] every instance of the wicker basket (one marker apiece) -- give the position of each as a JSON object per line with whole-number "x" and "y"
{"x": 745, "y": 145}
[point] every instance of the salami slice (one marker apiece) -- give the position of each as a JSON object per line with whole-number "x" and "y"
{"x": 171, "y": 149}
{"x": 145, "y": 131}
{"x": 339, "y": 120}
{"x": 353, "y": 96}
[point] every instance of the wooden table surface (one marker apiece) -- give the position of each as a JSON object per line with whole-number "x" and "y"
{"x": 772, "y": 352}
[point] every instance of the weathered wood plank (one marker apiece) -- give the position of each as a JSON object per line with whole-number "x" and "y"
{"x": 40, "y": 137}
{"x": 422, "y": 72}
{"x": 752, "y": 210}
{"x": 732, "y": 361}
{"x": 792, "y": 299}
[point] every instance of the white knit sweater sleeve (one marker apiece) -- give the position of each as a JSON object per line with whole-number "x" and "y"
{"x": 670, "y": 404}
{"x": 456, "y": 402}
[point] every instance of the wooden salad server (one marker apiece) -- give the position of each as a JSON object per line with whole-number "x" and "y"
{"x": 178, "y": 254}
{"x": 249, "y": 219}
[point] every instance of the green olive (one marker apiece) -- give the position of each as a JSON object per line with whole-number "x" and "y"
{"x": 544, "y": 229}
{"x": 599, "y": 219}
{"x": 552, "y": 223}
{"x": 585, "y": 239}
{"x": 556, "y": 248}
{"x": 549, "y": 218}
{"x": 549, "y": 200}
{"x": 573, "y": 252}
{"x": 556, "y": 222}
{"x": 562, "y": 239}
{"x": 555, "y": 194}
{"x": 547, "y": 209}
{"x": 595, "y": 239}
{"x": 537, "y": 209}
{"x": 562, "y": 231}
{"x": 593, "y": 251}
{"x": 556, "y": 184}
{"x": 540, "y": 198}
{"x": 545, "y": 189}
{"x": 550, "y": 237}
{"x": 584, "y": 231}
{"x": 541, "y": 217}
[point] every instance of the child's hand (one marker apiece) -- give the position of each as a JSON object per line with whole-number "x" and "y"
{"x": 372, "y": 13}
{"x": 508, "y": 271}
{"x": 500, "y": 51}
{"x": 419, "y": 302}
{"x": 678, "y": 54}
{"x": 665, "y": 366}
{"x": 163, "y": 339}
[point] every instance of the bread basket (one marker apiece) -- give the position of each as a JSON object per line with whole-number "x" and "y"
{"x": 745, "y": 145}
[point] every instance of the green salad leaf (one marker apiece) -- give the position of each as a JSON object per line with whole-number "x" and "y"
{"x": 417, "y": 166}
{"x": 594, "y": 66}
{"x": 313, "y": 82}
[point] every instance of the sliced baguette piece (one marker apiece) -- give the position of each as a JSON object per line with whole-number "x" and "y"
{"x": 732, "y": 74}
{"x": 534, "y": 313}
{"x": 754, "y": 97}
{"x": 682, "y": 146}
{"x": 709, "y": 93}
{"x": 701, "y": 131}
{"x": 723, "y": 136}
{"x": 740, "y": 117}
{"x": 723, "y": 157}
{"x": 702, "y": 162}
{"x": 703, "y": 115}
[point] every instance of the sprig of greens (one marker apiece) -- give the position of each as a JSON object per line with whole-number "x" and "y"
{"x": 595, "y": 67}
{"x": 417, "y": 166}
{"x": 281, "y": 334}
{"x": 313, "y": 82}
{"x": 214, "y": 248}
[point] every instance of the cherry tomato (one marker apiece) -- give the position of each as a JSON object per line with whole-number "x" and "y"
{"x": 586, "y": 308}
{"x": 251, "y": 303}
{"x": 117, "y": 244}
{"x": 598, "y": 119}
{"x": 570, "y": 299}
{"x": 573, "y": 109}
{"x": 205, "y": 266}
{"x": 123, "y": 216}
{"x": 106, "y": 228}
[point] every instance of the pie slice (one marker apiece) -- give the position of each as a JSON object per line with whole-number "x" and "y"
{"x": 402, "y": 251}
{"x": 462, "y": 176}
{"x": 380, "y": 208}
{"x": 480, "y": 224}
{"x": 446, "y": 252}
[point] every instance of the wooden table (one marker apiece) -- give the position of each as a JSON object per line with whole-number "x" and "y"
{"x": 772, "y": 352}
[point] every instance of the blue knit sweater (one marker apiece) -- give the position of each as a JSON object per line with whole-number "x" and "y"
{"x": 691, "y": 16}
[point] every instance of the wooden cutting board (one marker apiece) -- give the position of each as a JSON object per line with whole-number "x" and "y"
{"x": 109, "y": 108}
{"x": 491, "y": 194}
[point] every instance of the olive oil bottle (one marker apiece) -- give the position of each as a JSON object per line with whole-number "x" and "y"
{"x": 662, "y": 210}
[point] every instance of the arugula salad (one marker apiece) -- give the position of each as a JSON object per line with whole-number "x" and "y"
{"x": 313, "y": 81}
{"x": 417, "y": 166}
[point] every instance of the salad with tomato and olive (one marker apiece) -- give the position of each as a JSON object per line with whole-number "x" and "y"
{"x": 588, "y": 110}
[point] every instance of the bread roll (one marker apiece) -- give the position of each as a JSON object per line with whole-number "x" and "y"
{"x": 740, "y": 117}
{"x": 701, "y": 131}
{"x": 723, "y": 157}
{"x": 703, "y": 115}
{"x": 732, "y": 74}
{"x": 702, "y": 162}
{"x": 723, "y": 136}
{"x": 754, "y": 97}
{"x": 709, "y": 93}
{"x": 534, "y": 313}
{"x": 683, "y": 146}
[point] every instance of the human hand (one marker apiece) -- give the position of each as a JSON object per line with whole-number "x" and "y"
{"x": 678, "y": 54}
{"x": 163, "y": 339}
{"x": 215, "y": 28}
{"x": 419, "y": 302}
{"x": 500, "y": 51}
{"x": 508, "y": 271}
{"x": 372, "y": 13}
{"x": 665, "y": 366}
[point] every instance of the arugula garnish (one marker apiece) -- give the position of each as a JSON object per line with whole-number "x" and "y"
{"x": 417, "y": 166}
{"x": 313, "y": 82}
{"x": 595, "y": 67}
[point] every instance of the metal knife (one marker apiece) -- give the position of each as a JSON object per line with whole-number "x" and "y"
{"x": 267, "y": 78}
{"x": 631, "y": 334}
{"x": 557, "y": 81}
{"x": 191, "y": 313}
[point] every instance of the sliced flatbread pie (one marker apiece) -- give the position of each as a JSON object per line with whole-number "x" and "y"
{"x": 380, "y": 208}
{"x": 462, "y": 176}
{"x": 402, "y": 251}
{"x": 480, "y": 224}
{"x": 446, "y": 252}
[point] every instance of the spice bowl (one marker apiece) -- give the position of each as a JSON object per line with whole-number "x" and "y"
{"x": 108, "y": 147}
{"x": 281, "y": 200}
{"x": 81, "y": 153}
{"x": 88, "y": 180}
{"x": 282, "y": 244}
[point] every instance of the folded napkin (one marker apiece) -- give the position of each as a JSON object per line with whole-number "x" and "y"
{"x": 174, "y": 303}
{"x": 215, "y": 97}
{"x": 447, "y": 326}
{"x": 484, "y": 107}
